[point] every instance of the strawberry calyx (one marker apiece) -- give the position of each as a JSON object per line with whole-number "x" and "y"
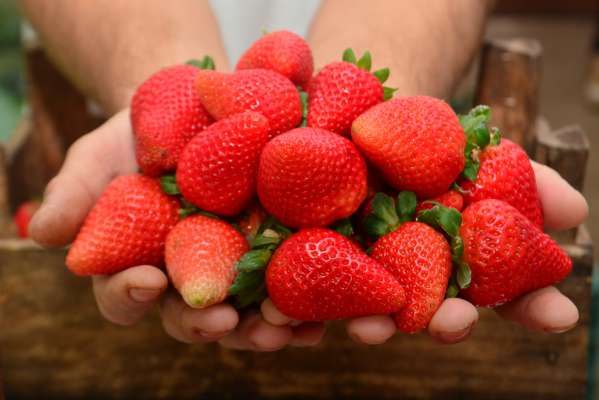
{"x": 168, "y": 184}
{"x": 205, "y": 63}
{"x": 365, "y": 63}
{"x": 304, "y": 102}
{"x": 344, "y": 226}
{"x": 448, "y": 221}
{"x": 387, "y": 214}
{"x": 478, "y": 136}
{"x": 249, "y": 286}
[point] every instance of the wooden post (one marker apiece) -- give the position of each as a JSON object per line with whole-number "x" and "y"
{"x": 567, "y": 151}
{"x": 509, "y": 79}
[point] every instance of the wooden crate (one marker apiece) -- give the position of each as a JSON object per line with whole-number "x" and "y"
{"x": 55, "y": 345}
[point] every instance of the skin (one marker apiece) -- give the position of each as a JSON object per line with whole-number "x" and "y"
{"x": 108, "y": 63}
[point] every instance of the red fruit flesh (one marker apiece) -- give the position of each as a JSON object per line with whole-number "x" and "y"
{"x": 166, "y": 113}
{"x": 338, "y": 94}
{"x": 318, "y": 275}
{"x": 420, "y": 259}
{"x": 507, "y": 254}
{"x": 311, "y": 177}
{"x": 506, "y": 174}
{"x": 451, "y": 199}
{"x": 23, "y": 216}
{"x": 201, "y": 253}
{"x": 217, "y": 170}
{"x": 260, "y": 90}
{"x": 126, "y": 227}
{"x": 251, "y": 219}
{"x": 416, "y": 142}
{"x": 283, "y": 52}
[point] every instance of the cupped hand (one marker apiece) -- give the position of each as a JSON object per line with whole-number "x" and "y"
{"x": 545, "y": 310}
{"x": 125, "y": 297}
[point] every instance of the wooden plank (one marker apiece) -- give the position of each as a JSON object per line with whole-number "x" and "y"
{"x": 508, "y": 81}
{"x": 56, "y": 340}
{"x": 53, "y": 123}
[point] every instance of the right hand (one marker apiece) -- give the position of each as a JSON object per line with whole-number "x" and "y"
{"x": 125, "y": 297}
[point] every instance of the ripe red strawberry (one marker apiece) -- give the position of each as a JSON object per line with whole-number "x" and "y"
{"x": 416, "y": 142}
{"x": 420, "y": 259}
{"x": 311, "y": 177}
{"x": 200, "y": 256}
{"x": 343, "y": 90}
{"x": 126, "y": 227}
{"x": 23, "y": 216}
{"x": 165, "y": 114}
{"x": 508, "y": 254}
{"x": 318, "y": 275}
{"x": 283, "y": 52}
{"x": 260, "y": 90}
{"x": 506, "y": 174}
{"x": 452, "y": 199}
{"x": 217, "y": 170}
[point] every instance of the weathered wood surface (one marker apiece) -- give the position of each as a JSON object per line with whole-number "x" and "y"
{"x": 55, "y": 342}
{"x": 509, "y": 79}
{"x": 58, "y": 116}
{"x": 566, "y": 150}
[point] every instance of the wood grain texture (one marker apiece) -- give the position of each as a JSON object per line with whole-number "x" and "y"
{"x": 54, "y": 338}
{"x": 58, "y": 116}
{"x": 509, "y": 79}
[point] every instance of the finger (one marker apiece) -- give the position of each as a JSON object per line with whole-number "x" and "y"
{"x": 91, "y": 163}
{"x": 189, "y": 325}
{"x": 563, "y": 206}
{"x": 453, "y": 322}
{"x": 375, "y": 329}
{"x": 125, "y": 297}
{"x": 545, "y": 310}
{"x": 272, "y": 315}
{"x": 308, "y": 334}
{"x": 254, "y": 333}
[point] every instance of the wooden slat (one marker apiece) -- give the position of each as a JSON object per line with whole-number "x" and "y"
{"x": 509, "y": 80}
{"x": 56, "y": 340}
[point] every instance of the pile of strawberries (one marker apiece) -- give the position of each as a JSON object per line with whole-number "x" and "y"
{"x": 321, "y": 192}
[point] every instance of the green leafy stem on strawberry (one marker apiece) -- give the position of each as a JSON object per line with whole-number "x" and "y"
{"x": 388, "y": 214}
{"x": 478, "y": 136}
{"x": 205, "y": 63}
{"x": 365, "y": 63}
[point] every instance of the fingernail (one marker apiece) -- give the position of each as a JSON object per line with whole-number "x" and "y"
{"x": 209, "y": 335}
{"x": 453, "y": 337}
{"x": 144, "y": 295}
{"x": 560, "y": 329}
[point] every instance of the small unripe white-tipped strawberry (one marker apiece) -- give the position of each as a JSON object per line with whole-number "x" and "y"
{"x": 201, "y": 253}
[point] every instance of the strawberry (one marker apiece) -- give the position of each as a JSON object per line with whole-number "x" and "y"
{"x": 452, "y": 199}
{"x": 200, "y": 256}
{"x": 318, "y": 275}
{"x": 416, "y": 142}
{"x": 165, "y": 114}
{"x": 343, "y": 90}
{"x": 310, "y": 177}
{"x": 126, "y": 227}
{"x": 217, "y": 170}
{"x": 23, "y": 216}
{"x": 508, "y": 254}
{"x": 506, "y": 174}
{"x": 420, "y": 259}
{"x": 283, "y": 52}
{"x": 260, "y": 90}
{"x": 251, "y": 220}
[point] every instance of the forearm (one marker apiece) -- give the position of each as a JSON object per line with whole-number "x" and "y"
{"x": 427, "y": 45}
{"x": 107, "y": 48}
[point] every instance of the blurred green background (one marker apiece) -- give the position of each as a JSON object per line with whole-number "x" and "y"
{"x": 11, "y": 80}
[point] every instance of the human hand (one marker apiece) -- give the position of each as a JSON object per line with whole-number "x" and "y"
{"x": 545, "y": 310}
{"x": 125, "y": 297}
